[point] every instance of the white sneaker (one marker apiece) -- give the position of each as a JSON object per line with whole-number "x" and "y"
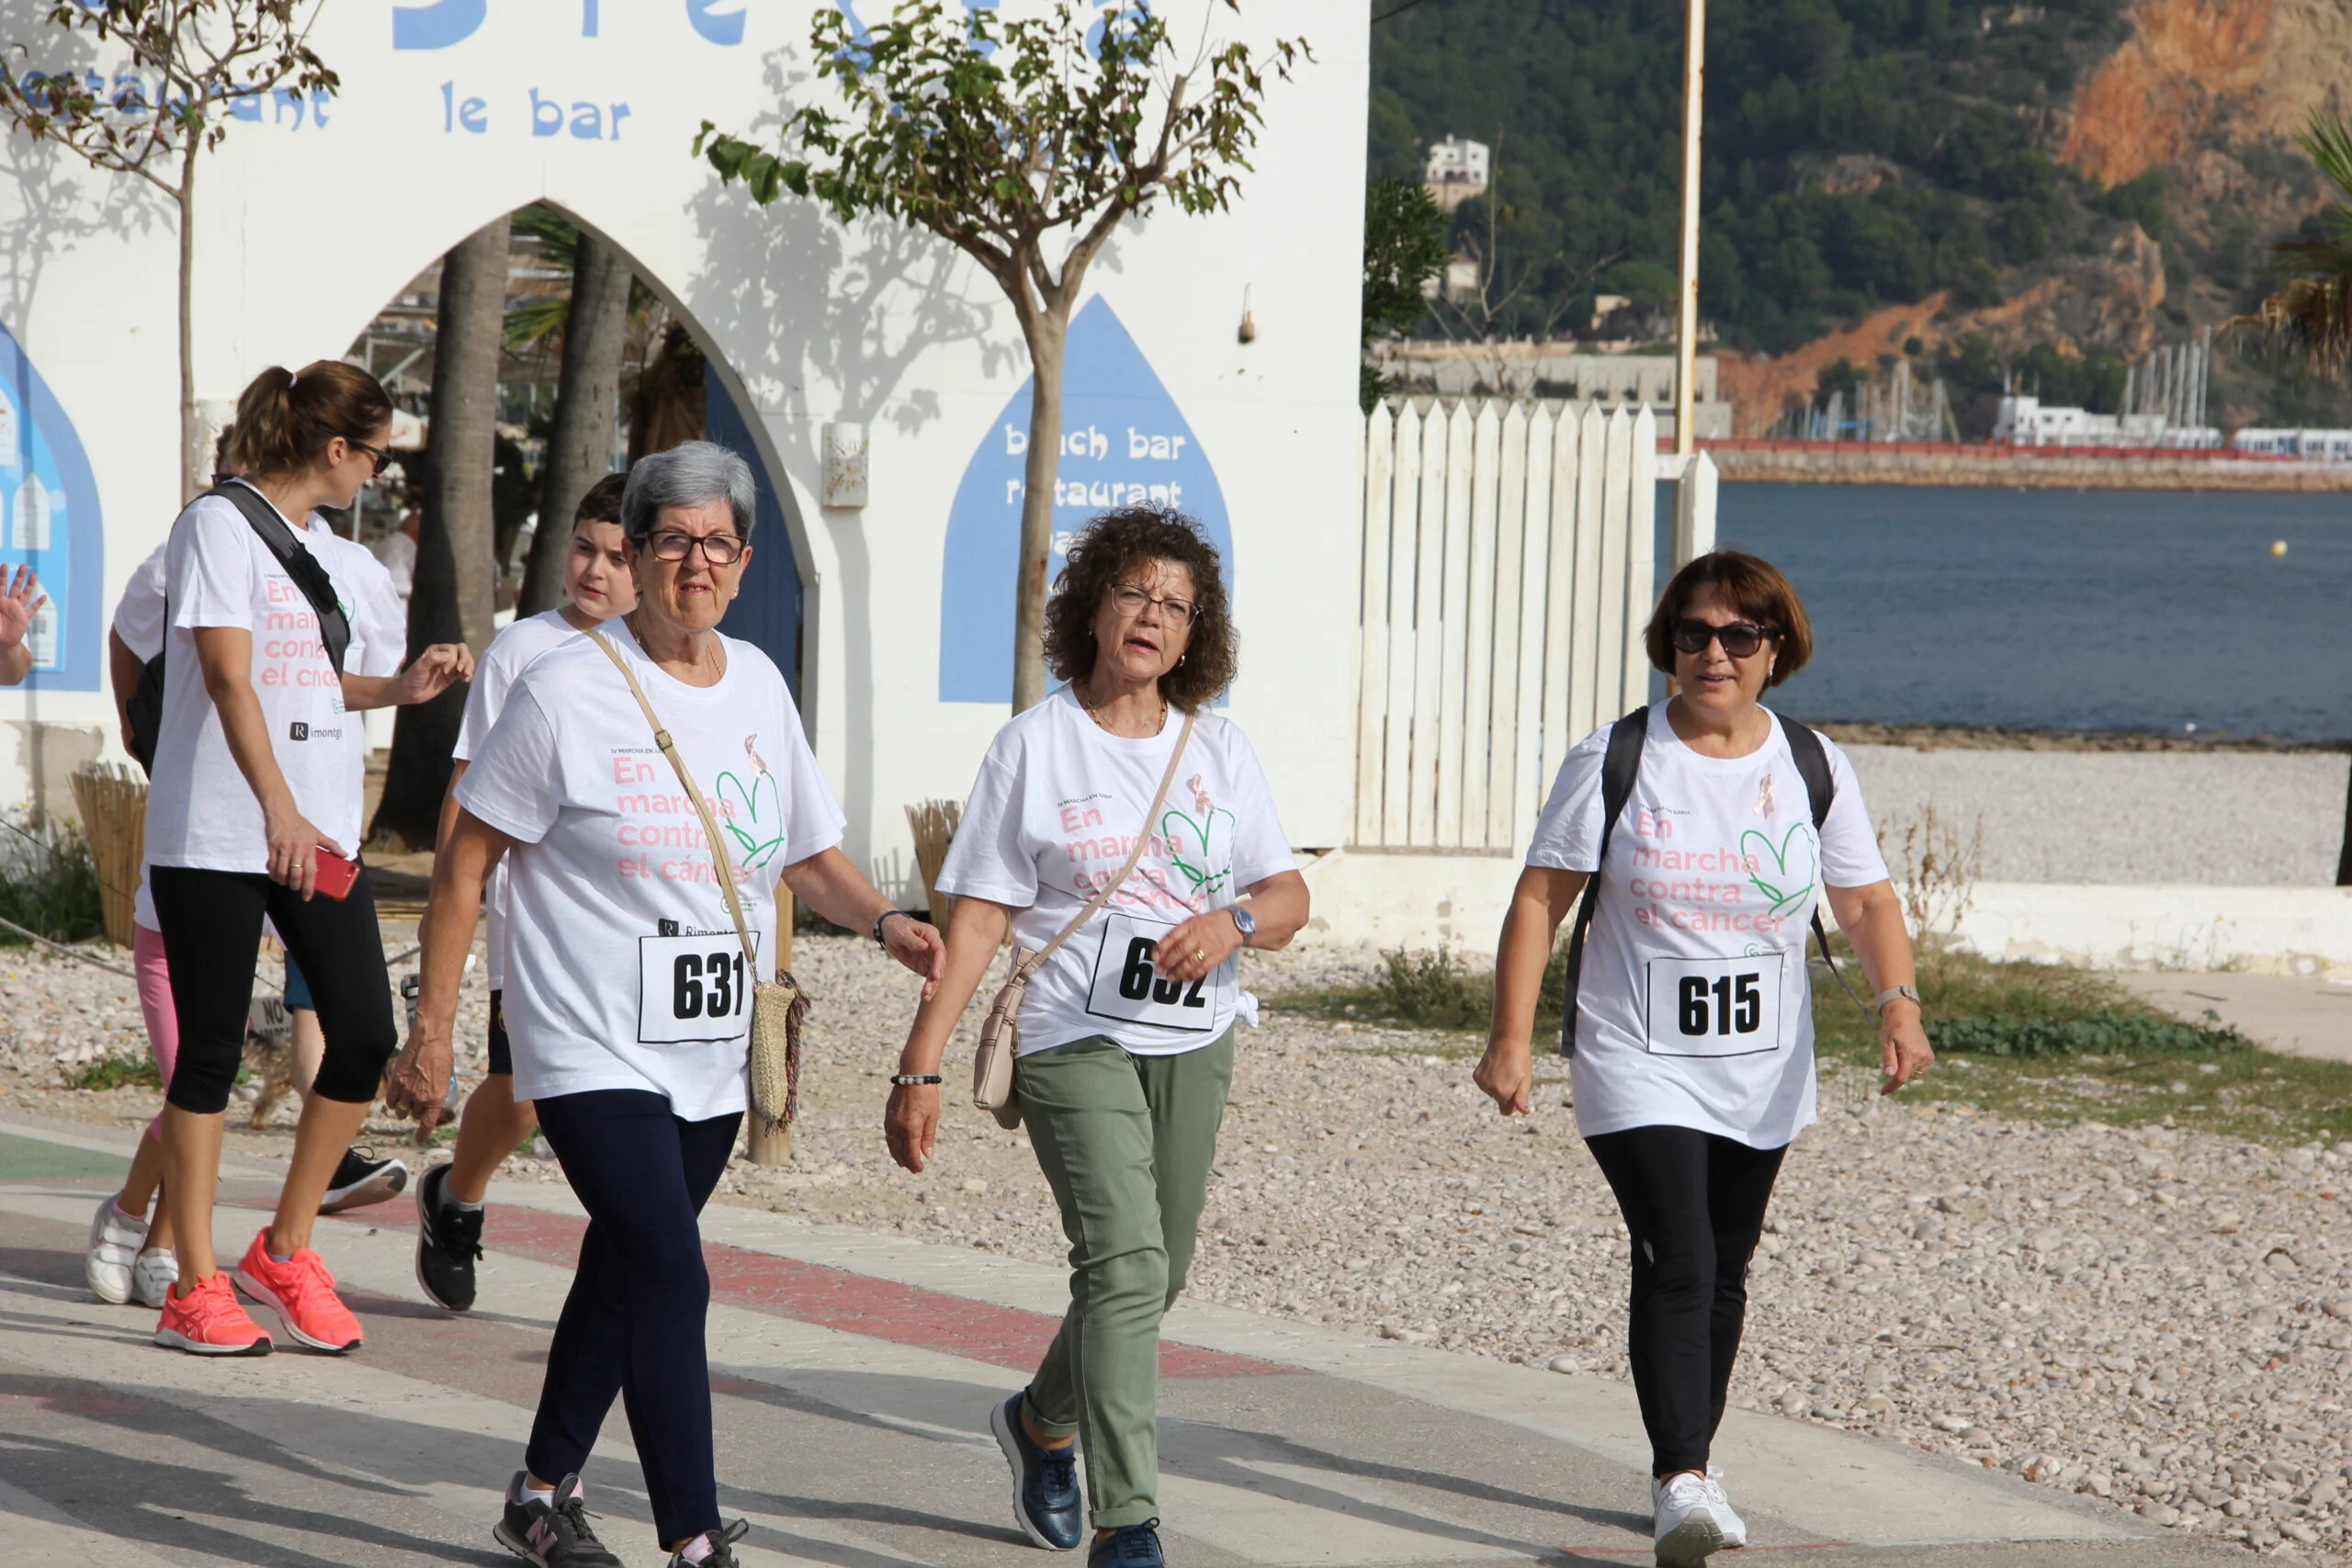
{"x": 1735, "y": 1528}
{"x": 1686, "y": 1528}
{"x": 115, "y": 1239}
{"x": 152, "y": 1275}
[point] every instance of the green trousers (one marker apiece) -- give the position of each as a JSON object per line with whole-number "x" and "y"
{"x": 1126, "y": 1141}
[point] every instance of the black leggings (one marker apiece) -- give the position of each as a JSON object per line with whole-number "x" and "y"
{"x": 633, "y": 1322}
{"x": 212, "y": 925}
{"x": 1694, "y": 1205}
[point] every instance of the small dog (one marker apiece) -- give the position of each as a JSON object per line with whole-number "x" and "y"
{"x": 269, "y": 1054}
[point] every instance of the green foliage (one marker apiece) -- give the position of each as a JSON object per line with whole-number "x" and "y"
{"x": 48, "y": 883}
{"x": 114, "y": 1071}
{"x": 2093, "y": 379}
{"x": 1404, "y": 248}
{"x": 2096, "y": 1033}
{"x": 2140, "y": 200}
{"x": 1583, "y": 104}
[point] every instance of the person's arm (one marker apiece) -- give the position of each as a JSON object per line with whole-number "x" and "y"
{"x": 225, "y": 656}
{"x": 123, "y": 670}
{"x": 428, "y": 675}
{"x": 829, "y": 884}
{"x": 1872, "y": 918}
{"x": 1545, "y": 895}
{"x": 451, "y": 809}
{"x": 910, "y": 1121}
{"x": 1278, "y": 902}
{"x": 420, "y": 1074}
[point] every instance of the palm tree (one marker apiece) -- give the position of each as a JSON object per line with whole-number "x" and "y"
{"x": 2307, "y": 320}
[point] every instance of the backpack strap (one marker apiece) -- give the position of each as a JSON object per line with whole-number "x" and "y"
{"x": 1618, "y": 770}
{"x": 1821, "y": 792}
{"x": 334, "y": 626}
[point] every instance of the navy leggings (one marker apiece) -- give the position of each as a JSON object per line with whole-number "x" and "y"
{"x": 633, "y": 1322}
{"x": 1694, "y": 1206}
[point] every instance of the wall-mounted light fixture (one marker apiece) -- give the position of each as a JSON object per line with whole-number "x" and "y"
{"x": 1248, "y": 322}
{"x": 845, "y": 470}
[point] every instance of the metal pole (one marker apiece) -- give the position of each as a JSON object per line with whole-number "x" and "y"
{"x": 1686, "y": 358}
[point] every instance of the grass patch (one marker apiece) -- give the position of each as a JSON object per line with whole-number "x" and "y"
{"x": 48, "y": 883}
{"x": 114, "y": 1071}
{"x": 2034, "y": 1042}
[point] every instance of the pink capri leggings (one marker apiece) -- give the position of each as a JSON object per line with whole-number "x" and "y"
{"x": 155, "y": 1003}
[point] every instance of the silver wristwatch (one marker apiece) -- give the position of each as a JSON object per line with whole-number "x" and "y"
{"x": 1244, "y": 922}
{"x": 1906, "y": 993}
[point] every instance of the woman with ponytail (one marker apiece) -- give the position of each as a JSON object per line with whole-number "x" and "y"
{"x": 279, "y": 633}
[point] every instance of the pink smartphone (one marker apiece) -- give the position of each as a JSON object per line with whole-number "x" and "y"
{"x": 336, "y": 874}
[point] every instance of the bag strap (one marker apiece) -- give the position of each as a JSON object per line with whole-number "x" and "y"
{"x": 721, "y": 862}
{"x": 1028, "y": 966}
{"x": 1618, "y": 770}
{"x": 334, "y": 626}
{"x": 1821, "y": 793}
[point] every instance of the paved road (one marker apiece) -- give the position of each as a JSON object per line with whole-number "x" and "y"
{"x": 853, "y": 1373}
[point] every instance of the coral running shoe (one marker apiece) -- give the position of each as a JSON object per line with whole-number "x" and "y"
{"x": 208, "y": 1320}
{"x": 302, "y": 1292}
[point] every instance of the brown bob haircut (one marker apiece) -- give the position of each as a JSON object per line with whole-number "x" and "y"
{"x": 602, "y": 502}
{"x": 1749, "y": 585}
{"x": 1115, "y": 547}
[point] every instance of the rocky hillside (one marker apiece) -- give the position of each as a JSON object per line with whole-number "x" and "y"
{"x": 2050, "y": 189}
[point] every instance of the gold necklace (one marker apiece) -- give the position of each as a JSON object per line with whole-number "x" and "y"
{"x": 1093, "y": 713}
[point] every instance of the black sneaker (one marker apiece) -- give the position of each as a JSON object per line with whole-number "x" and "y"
{"x": 1044, "y": 1480}
{"x": 553, "y": 1535}
{"x": 1129, "y": 1546}
{"x": 362, "y": 1179}
{"x": 722, "y": 1542}
{"x": 448, "y": 1239}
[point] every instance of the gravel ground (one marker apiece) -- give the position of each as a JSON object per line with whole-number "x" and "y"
{"x": 2239, "y": 818}
{"x": 2161, "y": 1319}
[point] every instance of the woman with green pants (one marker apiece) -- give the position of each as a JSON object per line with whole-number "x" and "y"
{"x": 1127, "y": 1028}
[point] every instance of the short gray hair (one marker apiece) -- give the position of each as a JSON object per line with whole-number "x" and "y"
{"x": 689, "y": 474}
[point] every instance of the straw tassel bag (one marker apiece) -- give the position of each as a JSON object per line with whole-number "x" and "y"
{"x": 1001, "y": 1035}
{"x": 779, "y": 1006}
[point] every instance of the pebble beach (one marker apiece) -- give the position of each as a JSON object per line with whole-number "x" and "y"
{"x": 2157, "y": 1318}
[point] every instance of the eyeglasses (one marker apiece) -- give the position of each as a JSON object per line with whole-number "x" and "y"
{"x": 1131, "y": 601}
{"x": 381, "y": 456}
{"x": 1740, "y": 639}
{"x": 718, "y": 550}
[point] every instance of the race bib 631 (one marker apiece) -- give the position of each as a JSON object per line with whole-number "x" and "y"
{"x": 692, "y": 988}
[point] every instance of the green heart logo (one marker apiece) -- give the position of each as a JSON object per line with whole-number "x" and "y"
{"x": 1778, "y": 888}
{"x": 748, "y": 824}
{"x": 1204, "y": 835}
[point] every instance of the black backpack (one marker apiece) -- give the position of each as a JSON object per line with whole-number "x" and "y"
{"x": 1618, "y": 771}
{"x": 145, "y": 707}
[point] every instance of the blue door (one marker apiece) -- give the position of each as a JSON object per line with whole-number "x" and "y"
{"x": 768, "y": 613}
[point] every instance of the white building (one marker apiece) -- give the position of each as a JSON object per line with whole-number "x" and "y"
{"x": 895, "y": 616}
{"x": 2024, "y": 421}
{"x": 2310, "y": 445}
{"x": 1455, "y": 170}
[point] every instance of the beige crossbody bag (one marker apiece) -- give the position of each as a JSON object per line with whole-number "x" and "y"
{"x": 1001, "y": 1035}
{"x": 779, "y": 1005}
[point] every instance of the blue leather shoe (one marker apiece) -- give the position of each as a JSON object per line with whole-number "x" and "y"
{"x": 1045, "y": 1481}
{"x": 1129, "y": 1546}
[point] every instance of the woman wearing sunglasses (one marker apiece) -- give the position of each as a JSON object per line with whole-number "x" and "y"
{"x": 278, "y": 633}
{"x": 1692, "y": 1047}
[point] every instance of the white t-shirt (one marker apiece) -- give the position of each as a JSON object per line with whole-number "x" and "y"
{"x": 216, "y": 572}
{"x": 1694, "y": 1008}
{"x": 1055, "y": 813}
{"x": 138, "y": 621}
{"x": 624, "y": 970}
{"x": 510, "y": 653}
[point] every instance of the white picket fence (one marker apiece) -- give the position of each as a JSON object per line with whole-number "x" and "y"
{"x": 1508, "y": 573}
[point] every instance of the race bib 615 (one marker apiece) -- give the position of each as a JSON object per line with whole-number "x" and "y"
{"x": 1714, "y": 1007}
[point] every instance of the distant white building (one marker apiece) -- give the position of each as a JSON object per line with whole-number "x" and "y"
{"x": 2310, "y": 445}
{"x": 1455, "y": 170}
{"x": 2023, "y": 420}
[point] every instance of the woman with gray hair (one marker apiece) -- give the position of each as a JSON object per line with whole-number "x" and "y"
{"x": 626, "y": 997}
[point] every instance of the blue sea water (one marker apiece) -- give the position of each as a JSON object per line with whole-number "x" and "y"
{"x": 2062, "y": 609}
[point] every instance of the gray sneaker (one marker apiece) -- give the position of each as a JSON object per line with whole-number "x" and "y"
{"x": 555, "y": 1535}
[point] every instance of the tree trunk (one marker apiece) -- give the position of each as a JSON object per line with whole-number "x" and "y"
{"x": 453, "y": 597}
{"x": 194, "y": 471}
{"x": 1048, "y": 332}
{"x": 587, "y": 402}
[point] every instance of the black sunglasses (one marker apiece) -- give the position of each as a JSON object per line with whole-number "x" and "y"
{"x": 1740, "y": 639}
{"x": 380, "y": 455}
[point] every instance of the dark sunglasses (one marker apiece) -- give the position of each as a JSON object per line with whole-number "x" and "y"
{"x": 380, "y": 455}
{"x": 1740, "y": 639}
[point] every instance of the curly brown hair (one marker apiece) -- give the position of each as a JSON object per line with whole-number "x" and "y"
{"x": 1102, "y": 554}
